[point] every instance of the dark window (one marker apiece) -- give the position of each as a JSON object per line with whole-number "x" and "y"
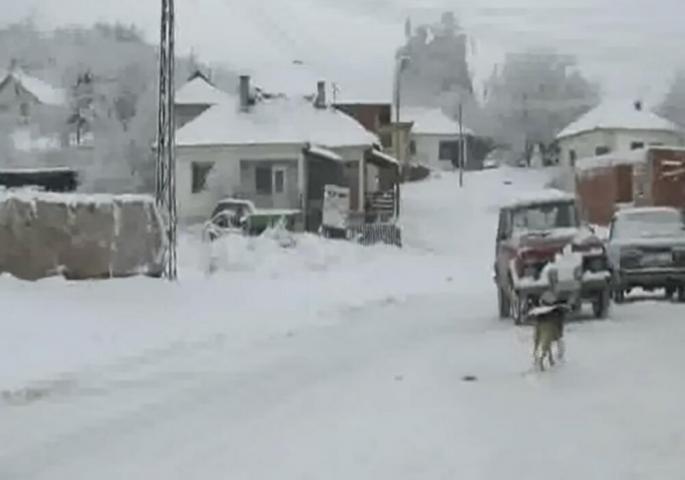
{"x": 449, "y": 150}
{"x": 412, "y": 147}
{"x": 602, "y": 150}
{"x": 386, "y": 140}
{"x": 24, "y": 109}
{"x": 200, "y": 173}
{"x": 572, "y": 158}
{"x": 637, "y": 145}
{"x": 263, "y": 180}
{"x": 384, "y": 116}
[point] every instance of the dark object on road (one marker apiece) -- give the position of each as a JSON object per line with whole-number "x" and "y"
{"x": 469, "y": 378}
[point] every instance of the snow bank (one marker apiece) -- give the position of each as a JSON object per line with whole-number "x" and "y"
{"x": 79, "y": 236}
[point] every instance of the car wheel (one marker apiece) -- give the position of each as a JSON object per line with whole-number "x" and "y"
{"x": 519, "y": 308}
{"x": 619, "y": 296}
{"x": 600, "y": 307}
{"x": 503, "y": 303}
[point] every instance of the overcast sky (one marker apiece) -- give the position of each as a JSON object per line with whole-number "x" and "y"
{"x": 631, "y": 46}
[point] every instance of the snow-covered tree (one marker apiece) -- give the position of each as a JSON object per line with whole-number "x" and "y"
{"x": 533, "y": 95}
{"x": 673, "y": 105}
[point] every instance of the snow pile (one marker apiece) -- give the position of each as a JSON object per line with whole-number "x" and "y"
{"x": 618, "y": 115}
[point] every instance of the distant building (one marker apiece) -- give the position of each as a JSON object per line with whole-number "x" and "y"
{"x": 435, "y": 139}
{"x": 613, "y": 127}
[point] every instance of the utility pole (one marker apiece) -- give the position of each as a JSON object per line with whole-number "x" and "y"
{"x": 462, "y": 150}
{"x": 165, "y": 168}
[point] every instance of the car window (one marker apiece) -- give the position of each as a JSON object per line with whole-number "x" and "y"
{"x": 544, "y": 217}
{"x": 649, "y": 224}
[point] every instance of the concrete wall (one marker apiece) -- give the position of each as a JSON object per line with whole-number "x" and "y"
{"x": 79, "y": 236}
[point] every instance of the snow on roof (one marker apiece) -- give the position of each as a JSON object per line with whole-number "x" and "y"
{"x": 431, "y": 121}
{"x": 324, "y": 153}
{"x": 43, "y": 91}
{"x": 618, "y": 115}
{"x": 638, "y": 210}
{"x": 31, "y": 194}
{"x": 611, "y": 160}
{"x": 199, "y": 91}
{"x": 385, "y": 157}
{"x": 279, "y": 121}
{"x": 537, "y": 197}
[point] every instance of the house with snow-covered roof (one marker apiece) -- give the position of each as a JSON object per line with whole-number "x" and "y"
{"x": 611, "y": 128}
{"x": 266, "y": 150}
{"x": 195, "y": 97}
{"x": 435, "y": 138}
{"x": 30, "y": 107}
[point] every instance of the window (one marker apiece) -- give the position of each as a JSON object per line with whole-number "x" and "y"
{"x": 637, "y": 145}
{"x": 412, "y": 147}
{"x": 279, "y": 180}
{"x": 602, "y": 150}
{"x": 449, "y": 150}
{"x": 200, "y": 172}
{"x": 263, "y": 180}
{"x": 384, "y": 117}
{"x": 24, "y": 109}
{"x": 572, "y": 158}
{"x": 386, "y": 140}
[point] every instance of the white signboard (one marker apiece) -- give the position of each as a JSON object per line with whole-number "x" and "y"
{"x": 336, "y": 206}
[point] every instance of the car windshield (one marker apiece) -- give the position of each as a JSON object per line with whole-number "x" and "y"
{"x": 545, "y": 217}
{"x": 661, "y": 223}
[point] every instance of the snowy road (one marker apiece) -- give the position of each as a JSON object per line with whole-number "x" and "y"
{"x": 376, "y": 390}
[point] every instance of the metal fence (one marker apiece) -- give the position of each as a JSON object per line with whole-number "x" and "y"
{"x": 374, "y": 233}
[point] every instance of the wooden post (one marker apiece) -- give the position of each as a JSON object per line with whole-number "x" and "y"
{"x": 362, "y": 183}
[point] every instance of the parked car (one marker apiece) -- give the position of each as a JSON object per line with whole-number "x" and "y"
{"x": 490, "y": 163}
{"x": 647, "y": 250}
{"x": 541, "y": 245}
{"x": 238, "y": 216}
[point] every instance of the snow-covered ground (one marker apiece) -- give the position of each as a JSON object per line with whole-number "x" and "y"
{"x": 329, "y": 360}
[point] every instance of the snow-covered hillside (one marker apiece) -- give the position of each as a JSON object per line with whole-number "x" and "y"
{"x": 329, "y": 360}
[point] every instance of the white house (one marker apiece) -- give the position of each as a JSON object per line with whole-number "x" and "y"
{"x": 256, "y": 150}
{"x": 26, "y": 103}
{"x": 613, "y": 127}
{"x": 434, "y": 138}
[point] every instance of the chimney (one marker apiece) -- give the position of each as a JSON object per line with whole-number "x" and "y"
{"x": 320, "y": 101}
{"x": 244, "y": 93}
{"x": 638, "y": 105}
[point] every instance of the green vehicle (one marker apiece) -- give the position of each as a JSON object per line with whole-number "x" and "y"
{"x": 238, "y": 216}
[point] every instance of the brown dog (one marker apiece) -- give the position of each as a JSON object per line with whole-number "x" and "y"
{"x": 549, "y": 329}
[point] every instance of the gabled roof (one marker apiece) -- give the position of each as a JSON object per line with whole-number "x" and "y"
{"x": 618, "y": 116}
{"x": 42, "y": 91}
{"x": 278, "y": 121}
{"x": 199, "y": 91}
{"x": 431, "y": 121}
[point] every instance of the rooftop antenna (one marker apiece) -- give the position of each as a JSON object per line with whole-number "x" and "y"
{"x": 165, "y": 168}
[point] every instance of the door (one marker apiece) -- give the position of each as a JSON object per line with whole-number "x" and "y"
{"x": 280, "y": 187}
